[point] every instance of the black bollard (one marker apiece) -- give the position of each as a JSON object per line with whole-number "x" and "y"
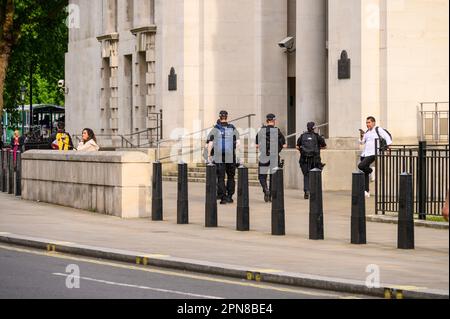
{"x": 211, "y": 196}
{"x": 11, "y": 173}
{"x": 19, "y": 174}
{"x": 157, "y": 198}
{"x": 5, "y": 170}
{"x": 1, "y": 171}
{"x": 358, "y": 235}
{"x": 406, "y": 213}
{"x": 243, "y": 209}
{"x": 315, "y": 205}
{"x": 278, "y": 223}
{"x": 182, "y": 196}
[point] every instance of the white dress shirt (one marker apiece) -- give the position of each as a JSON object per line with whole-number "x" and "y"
{"x": 369, "y": 141}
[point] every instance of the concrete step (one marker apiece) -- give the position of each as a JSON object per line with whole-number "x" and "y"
{"x": 202, "y": 175}
{"x": 249, "y": 166}
{"x": 203, "y": 170}
{"x": 202, "y": 180}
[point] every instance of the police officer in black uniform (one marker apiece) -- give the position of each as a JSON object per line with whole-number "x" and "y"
{"x": 270, "y": 142}
{"x": 222, "y": 143}
{"x": 309, "y": 145}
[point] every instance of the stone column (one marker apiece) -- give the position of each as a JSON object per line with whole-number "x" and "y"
{"x": 110, "y": 97}
{"x": 311, "y": 63}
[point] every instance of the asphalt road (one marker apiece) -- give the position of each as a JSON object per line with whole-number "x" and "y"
{"x": 34, "y": 274}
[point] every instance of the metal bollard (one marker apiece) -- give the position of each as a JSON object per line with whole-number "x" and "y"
{"x": 315, "y": 205}
{"x": 5, "y": 170}
{"x": 157, "y": 198}
{"x": 1, "y": 171}
{"x": 11, "y": 173}
{"x": 243, "y": 209}
{"x": 18, "y": 174}
{"x": 182, "y": 195}
{"x": 278, "y": 222}
{"x": 422, "y": 179}
{"x": 406, "y": 213}
{"x": 358, "y": 235}
{"x": 211, "y": 196}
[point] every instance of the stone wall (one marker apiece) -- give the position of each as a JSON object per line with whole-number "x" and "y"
{"x": 112, "y": 183}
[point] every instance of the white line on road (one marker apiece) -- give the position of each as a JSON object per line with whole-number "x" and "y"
{"x": 176, "y": 274}
{"x": 112, "y": 283}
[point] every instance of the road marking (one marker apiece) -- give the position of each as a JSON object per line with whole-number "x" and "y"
{"x": 176, "y": 274}
{"x": 112, "y": 283}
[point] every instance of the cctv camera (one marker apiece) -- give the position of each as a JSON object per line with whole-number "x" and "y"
{"x": 287, "y": 43}
{"x": 61, "y": 83}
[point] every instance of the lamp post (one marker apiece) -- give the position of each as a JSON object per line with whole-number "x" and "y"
{"x": 23, "y": 89}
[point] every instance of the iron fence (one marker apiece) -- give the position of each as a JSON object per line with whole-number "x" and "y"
{"x": 428, "y": 165}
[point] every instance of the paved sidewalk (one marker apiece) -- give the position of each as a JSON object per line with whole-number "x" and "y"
{"x": 425, "y": 268}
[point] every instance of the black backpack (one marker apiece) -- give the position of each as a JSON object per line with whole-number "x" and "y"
{"x": 310, "y": 144}
{"x": 383, "y": 143}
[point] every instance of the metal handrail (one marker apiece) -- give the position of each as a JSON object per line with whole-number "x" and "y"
{"x": 435, "y": 111}
{"x": 299, "y": 133}
{"x": 158, "y": 152}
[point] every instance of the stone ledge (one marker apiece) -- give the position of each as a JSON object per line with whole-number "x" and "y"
{"x": 97, "y": 157}
{"x": 394, "y": 220}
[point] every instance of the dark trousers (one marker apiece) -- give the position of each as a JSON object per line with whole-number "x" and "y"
{"x": 230, "y": 171}
{"x": 263, "y": 181}
{"x": 263, "y": 171}
{"x": 307, "y": 164}
{"x": 364, "y": 166}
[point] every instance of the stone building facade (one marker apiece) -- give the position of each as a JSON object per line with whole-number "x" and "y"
{"x": 225, "y": 55}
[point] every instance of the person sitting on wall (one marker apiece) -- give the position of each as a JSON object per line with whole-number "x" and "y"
{"x": 88, "y": 142}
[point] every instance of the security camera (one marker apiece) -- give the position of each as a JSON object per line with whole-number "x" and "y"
{"x": 287, "y": 43}
{"x": 61, "y": 84}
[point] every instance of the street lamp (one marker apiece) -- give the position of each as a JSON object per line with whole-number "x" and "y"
{"x": 23, "y": 90}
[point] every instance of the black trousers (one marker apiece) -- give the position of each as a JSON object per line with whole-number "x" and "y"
{"x": 364, "y": 166}
{"x": 230, "y": 188}
{"x": 263, "y": 181}
{"x": 263, "y": 171}
{"x": 307, "y": 164}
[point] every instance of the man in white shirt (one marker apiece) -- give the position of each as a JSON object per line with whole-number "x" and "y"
{"x": 368, "y": 155}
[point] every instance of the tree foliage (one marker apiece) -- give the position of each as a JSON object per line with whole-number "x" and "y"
{"x": 37, "y": 39}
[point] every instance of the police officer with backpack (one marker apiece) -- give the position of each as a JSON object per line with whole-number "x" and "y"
{"x": 222, "y": 144}
{"x": 270, "y": 142}
{"x": 309, "y": 145}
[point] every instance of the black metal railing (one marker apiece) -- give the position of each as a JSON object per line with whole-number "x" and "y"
{"x": 428, "y": 165}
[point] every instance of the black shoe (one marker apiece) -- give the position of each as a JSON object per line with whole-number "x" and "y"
{"x": 229, "y": 200}
{"x": 267, "y": 196}
{"x": 223, "y": 201}
{"x": 306, "y": 195}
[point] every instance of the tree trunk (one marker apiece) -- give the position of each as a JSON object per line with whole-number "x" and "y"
{"x": 7, "y": 40}
{"x": 5, "y": 53}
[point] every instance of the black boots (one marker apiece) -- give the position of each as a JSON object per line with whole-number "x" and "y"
{"x": 267, "y": 197}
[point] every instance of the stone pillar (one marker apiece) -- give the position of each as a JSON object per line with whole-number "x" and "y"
{"x": 110, "y": 96}
{"x": 344, "y": 96}
{"x": 311, "y": 63}
{"x": 146, "y": 75}
{"x": 110, "y": 16}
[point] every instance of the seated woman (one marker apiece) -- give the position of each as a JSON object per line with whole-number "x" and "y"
{"x": 89, "y": 142}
